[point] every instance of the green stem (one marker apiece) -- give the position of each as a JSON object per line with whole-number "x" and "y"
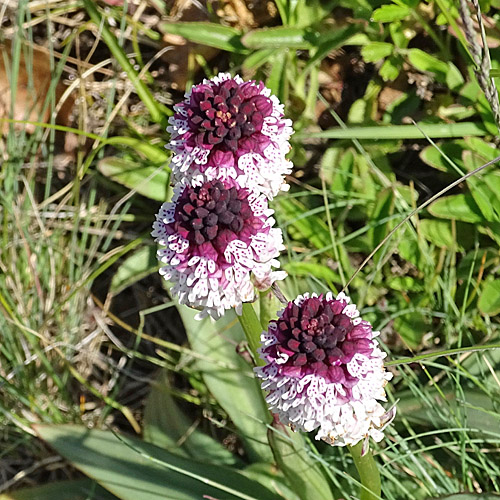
{"x": 368, "y": 473}
{"x": 252, "y": 328}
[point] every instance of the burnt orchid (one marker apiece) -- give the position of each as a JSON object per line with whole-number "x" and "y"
{"x": 325, "y": 371}
{"x": 220, "y": 245}
{"x": 230, "y": 129}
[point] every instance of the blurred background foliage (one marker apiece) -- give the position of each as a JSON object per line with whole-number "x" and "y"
{"x": 391, "y": 102}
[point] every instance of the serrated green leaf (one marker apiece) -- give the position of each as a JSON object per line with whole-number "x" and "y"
{"x": 151, "y": 182}
{"x": 132, "y": 469}
{"x": 459, "y": 207}
{"x": 212, "y": 34}
{"x": 375, "y": 51}
{"x": 390, "y": 13}
{"x": 489, "y": 300}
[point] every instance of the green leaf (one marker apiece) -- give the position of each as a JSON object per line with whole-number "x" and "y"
{"x": 148, "y": 181}
{"x": 468, "y": 496}
{"x": 153, "y": 153}
{"x": 256, "y": 59}
{"x": 432, "y": 130}
{"x": 389, "y": 13}
{"x": 300, "y": 468}
{"x": 405, "y": 284}
{"x": 212, "y": 34}
{"x": 281, "y": 37}
{"x": 375, "y": 51}
{"x": 412, "y": 327}
{"x": 319, "y": 271}
{"x": 277, "y": 81}
{"x": 441, "y": 234}
{"x": 132, "y": 469}
{"x": 134, "y": 268}
{"x": 459, "y": 206}
{"x": 453, "y": 78}
{"x": 453, "y": 149}
{"x": 79, "y": 489}
{"x": 166, "y": 425}
{"x": 389, "y": 71}
{"x": 426, "y": 62}
{"x": 229, "y": 378}
{"x": 489, "y": 301}
{"x": 384, "y": 208}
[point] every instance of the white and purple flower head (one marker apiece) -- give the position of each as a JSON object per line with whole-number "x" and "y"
{"x": 230, "y": 129}
{"x": 325, "y": 370}
{"x": 220, "y": 245}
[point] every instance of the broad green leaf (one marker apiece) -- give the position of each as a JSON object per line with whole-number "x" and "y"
{"x": 166, "y": 425}
{"x": 281, "y": 37}
{"x": 399, "y": 35}
{"x": 453, "y": 149}
{"x": 389, "y": 13}
{"x": 459, "y": 206}
{"x": 412, "y": 327}
{"x": 132, "y": 469}
{"x": 442, "y": 234}
{"x": 453, "y": 78}
{"x": 424, "y": 61}
{"x": 79, "y": 489}
{"x": 389, "y": 71}
{"x": 375, "y": 51}
{"x": 299, "y": 467}
{"x": 212, "y": 34}
{"x": 229, "y": 378}
{"x": 489, "y": 300}
{"x": 151, "y": 182}
{"x": 139, "y": 265}
{"x": 485, "y": 188}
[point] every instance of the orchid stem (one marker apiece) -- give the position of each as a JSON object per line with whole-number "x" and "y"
{"x": 253, "y": 329}
{"x": 368, "y": 472}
